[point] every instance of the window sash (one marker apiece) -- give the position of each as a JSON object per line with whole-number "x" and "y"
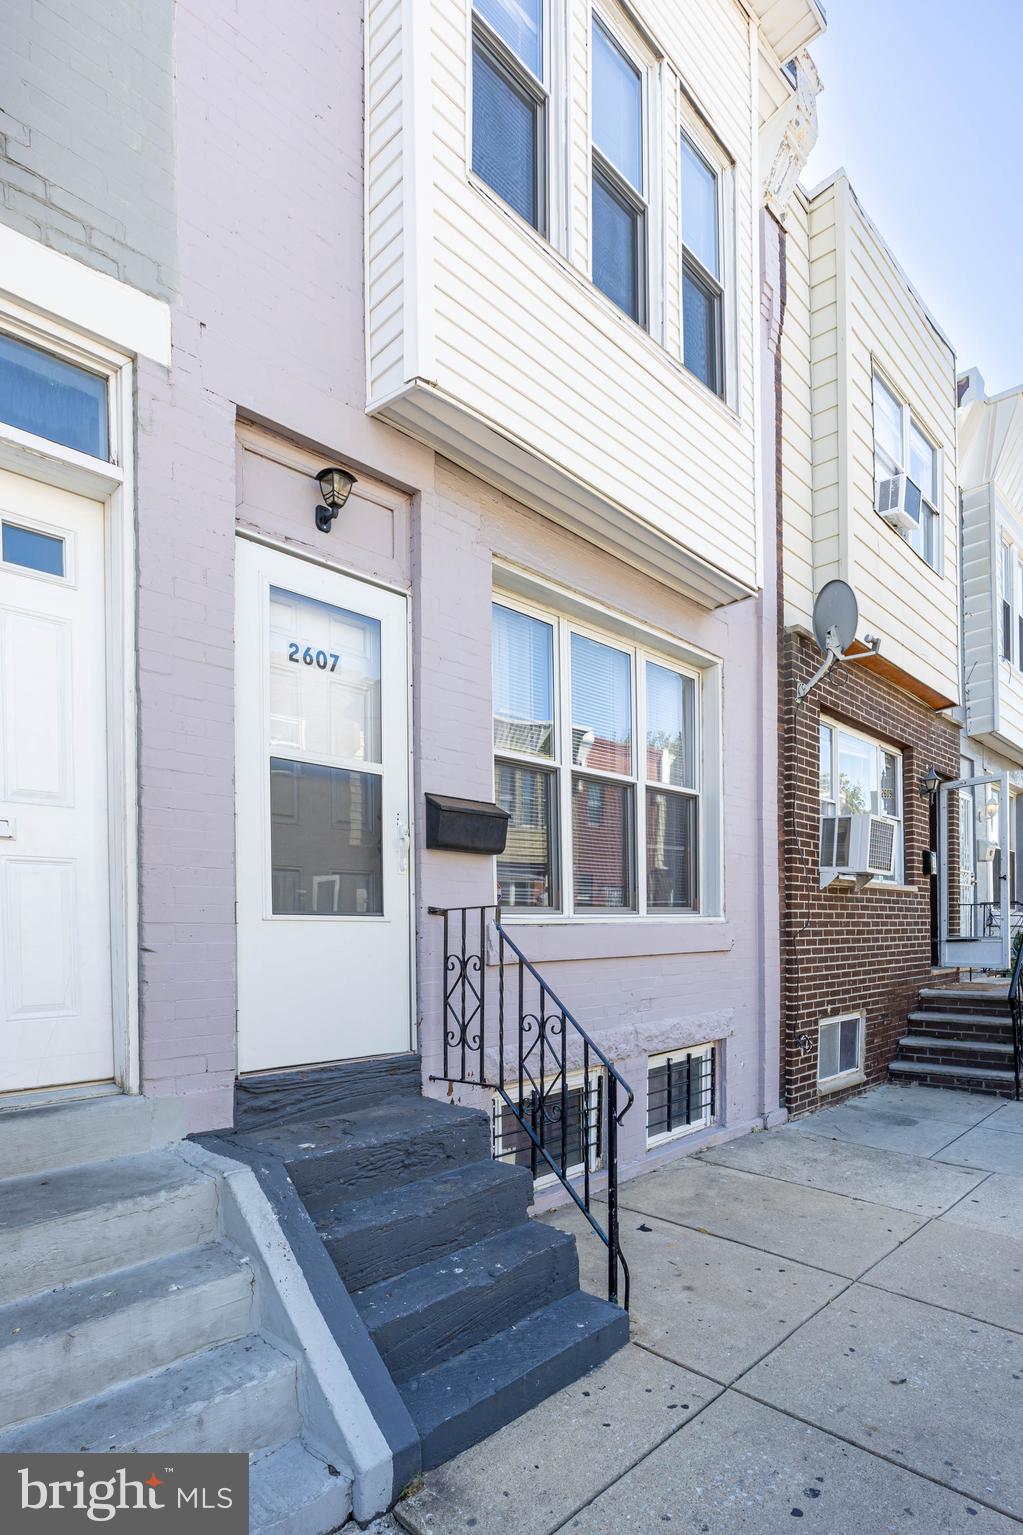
{"x": 565, "y": 771}
{"x": 615, "y": 183}
{"x": 519, "y": 79}
{"x": 891, "y": 459}
{"x": 833, "y": 1035}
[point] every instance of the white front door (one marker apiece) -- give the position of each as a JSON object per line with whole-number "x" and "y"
{"x": 324, "y": 937}
{"x": 974, "y": 869}
{"x": 56, "y": 1026}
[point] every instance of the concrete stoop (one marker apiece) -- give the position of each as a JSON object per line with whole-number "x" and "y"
{"x": 960, "y": 1037}
{"x": 148, "y": 1302}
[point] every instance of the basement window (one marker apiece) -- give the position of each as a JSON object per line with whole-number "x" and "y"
{"x": 566, "y": 1126}
{"x": 681, "y": 1093}
{"x": 840, "y": 1050}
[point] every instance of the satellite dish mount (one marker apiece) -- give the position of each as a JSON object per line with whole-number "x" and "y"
{"x": 836, "y": 616}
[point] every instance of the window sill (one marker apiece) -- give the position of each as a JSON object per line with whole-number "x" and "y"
{"x": 567, "y": 938}
{"x": 836, "y": 1084}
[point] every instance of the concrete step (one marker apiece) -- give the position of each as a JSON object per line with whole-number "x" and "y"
{"x": 349, "y": 1156}
{"x": 240, "y": 1396}
{"x": 434, "y": 1312}
{"x": 384, "y": 1235}
{"x": 469, "y": 1397}
{"x": 61, "y": 1346}
{"x": 75, "y": 1223}
{"x": 294, "y": 1492}
{"x": 269, "y": 1097}
{"x": 36, "y": 1140}
{"x": 961, "y": 1025}
{"x": 968, "y": 1079}
{"x": 969, "y": 1052}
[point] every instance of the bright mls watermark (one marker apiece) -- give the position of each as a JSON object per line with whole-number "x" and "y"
{"x": 171, "y": 1492}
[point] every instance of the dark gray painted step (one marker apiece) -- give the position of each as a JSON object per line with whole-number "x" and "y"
{"x": 962, "y": 1025}
{"x": 386, "y": 1234}
{"x": 968, "y": 1079}
{"x": 982, "y": 1052}
{"x": 242, "y": 1396}
{"x": 443, "y": 1308}
{"x": 348, "y": 1156}
{"x": 275, "y": 1097}
{"x": 65, "y": 1345}
{"x": 467, "y": 1398}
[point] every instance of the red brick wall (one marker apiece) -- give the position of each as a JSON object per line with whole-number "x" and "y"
{"x": 844, "y": 950}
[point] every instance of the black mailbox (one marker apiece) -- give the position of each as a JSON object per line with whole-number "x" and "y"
{"x": 465, "y": 825}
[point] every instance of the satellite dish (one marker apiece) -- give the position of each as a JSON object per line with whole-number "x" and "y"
{"x": 836, "y": 614}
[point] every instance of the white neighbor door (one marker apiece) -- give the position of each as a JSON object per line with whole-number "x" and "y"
{"x": 974, "y": 869}
{"x": 56, "y": 1026}
{"x": 324, "y": 938}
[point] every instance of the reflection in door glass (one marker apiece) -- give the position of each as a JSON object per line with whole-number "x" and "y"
{"x": 324, "y": 678}
{"x": 326, "y": 844}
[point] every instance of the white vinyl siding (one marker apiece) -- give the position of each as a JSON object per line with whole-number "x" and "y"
{"x": 508, "y": 335}
{"x": 797, "y": 422}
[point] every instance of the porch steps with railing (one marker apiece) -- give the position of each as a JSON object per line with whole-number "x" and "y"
{"x": 959, "y": 1036}
{"x": 475, "y": 1310}
{"x": 129, "y": 1320}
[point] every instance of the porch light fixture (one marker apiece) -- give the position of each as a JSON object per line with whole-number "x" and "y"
{"x": 929, "y": 782}
{"x": 335, "y": 488}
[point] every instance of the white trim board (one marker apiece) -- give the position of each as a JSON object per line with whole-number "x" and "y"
{"x": 94, "y": 302}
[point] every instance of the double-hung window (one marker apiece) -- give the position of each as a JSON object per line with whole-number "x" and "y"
{"x": 597, "y": 754}
{"x": 858, "y": 776}
{"x": 1005, "y": 585}
{"x": 510, "y": 104}
{"x": 1019, "y": 614}
{"x": 702, "y": 347}
{"x": 902, "y": 447}
{"x": 619, "y": 197}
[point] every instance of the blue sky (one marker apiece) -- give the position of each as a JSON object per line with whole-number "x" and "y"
{"x": 923, "y": 105}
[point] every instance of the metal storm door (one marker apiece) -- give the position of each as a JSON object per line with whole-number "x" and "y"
{"x": 324, "y": 938}
{"x": 973, "y": 854}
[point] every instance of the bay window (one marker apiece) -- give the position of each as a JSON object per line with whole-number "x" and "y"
{"x": 598, "y": 763}
{"x": 618, "y": 200}
{"x": 509, "y": 104}
{"x": 902, "y": 447}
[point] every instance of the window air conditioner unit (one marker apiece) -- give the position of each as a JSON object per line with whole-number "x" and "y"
{"x": 898, "y": 501}
{"x": 856, "y": 846}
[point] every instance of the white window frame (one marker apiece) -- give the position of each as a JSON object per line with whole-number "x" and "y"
{"x": 707, "y": 1119}
{"x": 1018, "y": 629}
{"x": 574, "y": 1081}
{"x": 561, "y": 765}
{"x": 541, "y": 90}
{"x": 719, "y": 286}
{"x": 909, "y": 420}
{"x": 858, "y": 1072}
{"x": 1006, "y": 604}
{"x": 836, "y": 726}
{"x": 650, "y": 268}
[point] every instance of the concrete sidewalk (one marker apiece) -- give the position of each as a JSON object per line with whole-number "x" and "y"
{"x": 827, "y": 1326}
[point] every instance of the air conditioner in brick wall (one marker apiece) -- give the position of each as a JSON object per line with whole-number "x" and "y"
{"x": 898, "y": 501}
{"x": 858, "y": 847}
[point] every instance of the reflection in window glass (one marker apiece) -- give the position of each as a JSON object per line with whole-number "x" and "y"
{"x": 887, "y": 428}
{"x": 922, "y": 461}
{"x": 699, "y": 208}
{"x": 523, "y": 678}
{"x": 857, "y": 776}
{"x": 601, "y": 706}
{"x": 670, "y": 727}
{"x": 32, "y": 550}
{"x": 517, "y": 23}
{"x": 839, "y": 1048}
{"x": 506, "y": 121}
{"x": 616, "y": 247}
{"x": 826, "y": 767}
{"x": 526, "y": 872}
{"x": 324, "y": 678}
{"x": 326, "y": 841}
{"x": 671, "y": 851}
{"x": 602, "y": 845}
{"x": 52, "y": 398}
{"x": 617, "y": 108}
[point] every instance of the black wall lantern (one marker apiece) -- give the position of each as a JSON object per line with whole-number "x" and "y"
{"x": 928, "y": 783}
{"x": 335, "y": 488}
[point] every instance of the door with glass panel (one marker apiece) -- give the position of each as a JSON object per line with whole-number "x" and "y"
{"x": 322, "y": 814}
{"x": 56, "y": 1024}
{"x": 973, "y": 852}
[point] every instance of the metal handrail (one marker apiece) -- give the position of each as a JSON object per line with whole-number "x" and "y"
{"x": 538, "y": 1094}
{"x": 1016, "y": 1017}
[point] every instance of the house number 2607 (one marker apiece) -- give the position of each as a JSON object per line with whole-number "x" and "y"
{"x": 324, "y": 659}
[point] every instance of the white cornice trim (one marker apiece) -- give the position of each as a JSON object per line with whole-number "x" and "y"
{"x": 102, "y": 306}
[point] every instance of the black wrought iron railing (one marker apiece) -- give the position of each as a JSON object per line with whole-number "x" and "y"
{"x": 560, "y": 1100}
{"x": 1016, "y": 1015}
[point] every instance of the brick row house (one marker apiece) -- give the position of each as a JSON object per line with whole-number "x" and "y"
{"x": 389, "y": 641}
